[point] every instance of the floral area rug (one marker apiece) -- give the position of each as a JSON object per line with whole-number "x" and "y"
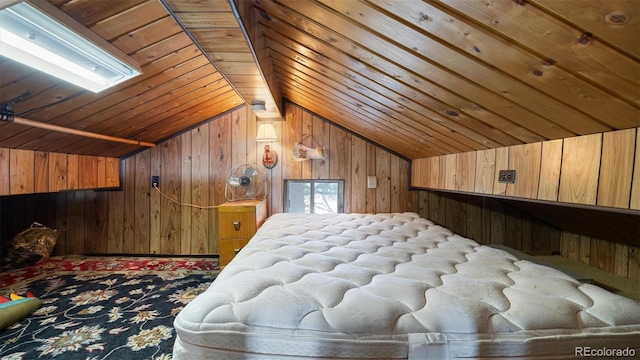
{"x": 102, "y": 308}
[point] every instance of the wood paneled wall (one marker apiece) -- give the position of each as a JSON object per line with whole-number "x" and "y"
{"x": 193, "y": 168}
{"x": 27, "y": 172}
{"x": 593, "y": 169}
{"x": 496, "y": 221}
{"x": 489, "y": 221}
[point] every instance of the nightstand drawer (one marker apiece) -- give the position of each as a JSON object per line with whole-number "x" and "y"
{"x": 229, "y": 249}
{"x": 236, "y": 225}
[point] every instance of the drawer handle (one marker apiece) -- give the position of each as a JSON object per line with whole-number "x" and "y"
{"x": 236, "y": 225}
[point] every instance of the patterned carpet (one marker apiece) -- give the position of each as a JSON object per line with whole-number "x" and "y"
{"x": 102, "y": 308}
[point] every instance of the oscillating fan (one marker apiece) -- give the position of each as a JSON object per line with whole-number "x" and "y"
{"x": 244, "y": 182}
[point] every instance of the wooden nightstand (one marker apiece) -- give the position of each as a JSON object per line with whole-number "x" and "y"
{"x": 238, "y": 221}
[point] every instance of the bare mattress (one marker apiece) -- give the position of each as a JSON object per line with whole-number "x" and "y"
{"x": 395, "y": 286}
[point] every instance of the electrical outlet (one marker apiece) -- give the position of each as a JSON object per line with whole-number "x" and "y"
{"x": 507, "y": 176}
{"x": 155, "y": 181}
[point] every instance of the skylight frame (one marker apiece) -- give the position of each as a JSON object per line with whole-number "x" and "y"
{"x": 52, "y": 41}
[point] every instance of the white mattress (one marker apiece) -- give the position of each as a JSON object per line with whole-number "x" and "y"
{"x": 393, "y": 286}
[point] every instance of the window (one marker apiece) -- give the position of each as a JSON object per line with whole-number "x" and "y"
{"x": 314, "y": 196}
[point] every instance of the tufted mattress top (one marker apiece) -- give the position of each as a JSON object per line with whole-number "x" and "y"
{"x": 393, "y": 286}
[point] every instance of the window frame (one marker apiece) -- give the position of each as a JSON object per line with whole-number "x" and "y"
{"x": 313, "y": 182}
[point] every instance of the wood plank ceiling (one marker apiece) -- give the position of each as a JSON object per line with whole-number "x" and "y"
{"x": 421, "y": 78}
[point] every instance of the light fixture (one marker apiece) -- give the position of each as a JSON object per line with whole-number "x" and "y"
{"x": 258, "y": 106}
{"x": 41, "y": 36}
{"x": 266, "y": 133}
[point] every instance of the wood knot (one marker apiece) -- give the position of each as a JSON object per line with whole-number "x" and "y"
{"x": 585, "y": 38}
{"x": 265, "y": 16}
{"x": 616, "y": 18}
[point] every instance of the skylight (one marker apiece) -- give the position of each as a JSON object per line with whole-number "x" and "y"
{"x": 54, "y": 43}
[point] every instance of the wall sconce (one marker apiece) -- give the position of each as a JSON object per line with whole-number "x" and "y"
{"x": 41, "y": 36}
{"x": 267, "y": 133}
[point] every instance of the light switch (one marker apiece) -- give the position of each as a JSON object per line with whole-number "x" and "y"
{"x": 372, "y": 182}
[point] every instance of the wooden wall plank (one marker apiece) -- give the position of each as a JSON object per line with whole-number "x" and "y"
{"x": 437, "y": 208}
{"x": 21, "y": 171}
{"x": 4, "y": 171}
{"x": 275, "y": 175}
{"x": 116, "y": 223}
{"x": 418, "y": 170}
{"x": 186, "y": 190}
{"x": 41, "y": 168}
{"x": 450, "y": 175}
{"x": 72, "y": 172}
{"x": 525, "y": 160}
{"x": 635, "y": 187}
{"x": 634, "y": 263}
{"x": 147, "y": 202}
{"x": 502, "y": 163}
{"x": 359, "y": 175}
{"x": 291, "y": 135}
{"x": 570, "y": 245}
{"x": 438, "y": 175}
{"x": 616, "y": 168}
{"x": 169, "y": 240}
{"x": 112, "y": 172}
{"x": 455, "y": 213}
{"x": 156, "y": 205}
{"x": 584, "y": 250}
{"x": 75, "y": 233}
{"x": 306, "y": 138}
{"x": 340, "y": 160}
{"x": 600, "y": 254}
{"x": 198, "y": 149}
{"x": 87, "y": 172}
{"x": 370, "y": 203}
{"x": 102, "y": 171}
{"x": 61, "y": 224}
{"x": 474, "y": 218}
{"x": 58, "y": 172}
{"x": 240, "y": 153}
{"x": 621, "y": 259}
{"x": 513, "y": 230}
{"x": 498, "y": 223}
{"x": 321, "y": 138}
{"x": 485, "y": 171}
{"x": 96, "y": 207}
{"x": 132, "y": 203}
{"x": 397, "y": 185}
{"x": 580, "y": 167}
{"x": 465, "y": 171}
{"x": 383, "y": 175}
{"x": 550, "y": 170}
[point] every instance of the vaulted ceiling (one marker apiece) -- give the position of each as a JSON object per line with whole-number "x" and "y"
{"x": 421, "y": 78}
